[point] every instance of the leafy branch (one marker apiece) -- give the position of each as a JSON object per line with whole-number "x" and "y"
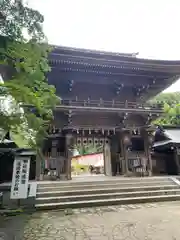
{"x": 25, "y": 66}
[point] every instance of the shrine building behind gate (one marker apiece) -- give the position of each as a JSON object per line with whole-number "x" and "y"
{"x": 104, "y": 101}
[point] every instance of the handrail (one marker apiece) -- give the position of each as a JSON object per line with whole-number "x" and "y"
{"x": 105, "y": 103}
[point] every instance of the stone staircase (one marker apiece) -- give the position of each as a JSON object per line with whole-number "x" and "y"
{"x": 109, "y": 191}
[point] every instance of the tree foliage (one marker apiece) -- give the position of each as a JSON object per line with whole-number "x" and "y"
{"x": 16, "y": 18}
{"x": 25, "y": 63}
{"x": 168, "y": 98}
{"x": 171, "y": 102}
{"x": 89, "y": 148}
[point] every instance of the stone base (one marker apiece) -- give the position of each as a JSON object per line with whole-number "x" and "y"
{"x": 41, "y": 178}
{"x": 136, "y": 174}
{"x": 63, "y": 177}
{"x": 150, "y": 173}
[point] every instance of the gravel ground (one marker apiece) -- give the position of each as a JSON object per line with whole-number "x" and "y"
{"x": 142, "y": 221}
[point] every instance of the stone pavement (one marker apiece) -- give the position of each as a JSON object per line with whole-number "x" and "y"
{"x": 131, "y": 222}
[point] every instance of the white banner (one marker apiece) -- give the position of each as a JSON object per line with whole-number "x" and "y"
{"x": 20, "y": 178}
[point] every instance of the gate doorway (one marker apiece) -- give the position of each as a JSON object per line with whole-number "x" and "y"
{"x": 91, "y": 155}
{"x": 86, "y": 155}
{"x": 53, "y": 164}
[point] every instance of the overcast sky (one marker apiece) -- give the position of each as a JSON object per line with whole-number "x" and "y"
{"x": 150, "y": 27}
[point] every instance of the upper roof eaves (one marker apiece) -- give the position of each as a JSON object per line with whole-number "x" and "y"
{"x": 90, "y": 51}
{"x": 112, "y": 57}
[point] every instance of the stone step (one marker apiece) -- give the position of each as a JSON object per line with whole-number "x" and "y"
{"x": 59, "y": 187}
{"x": 89, "y": 197}
{"x": 100, "y": 190}
{"x": 105, "y": 180}
{"x": 106, "y": 202}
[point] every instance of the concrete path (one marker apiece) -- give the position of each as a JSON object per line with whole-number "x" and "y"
{"x": 131, "y": 222}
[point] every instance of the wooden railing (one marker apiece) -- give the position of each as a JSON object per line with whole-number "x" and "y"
{"x": 137, "y": 166}
{"x": 48, "y": 160}
{"x": 108, "y": 104}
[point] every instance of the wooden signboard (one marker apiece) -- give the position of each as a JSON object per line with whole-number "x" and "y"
{"x": 20, "y": 178}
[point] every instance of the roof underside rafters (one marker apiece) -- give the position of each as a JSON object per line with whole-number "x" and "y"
{"x": 155, "y": 75}
{"x": 121, "y": 62}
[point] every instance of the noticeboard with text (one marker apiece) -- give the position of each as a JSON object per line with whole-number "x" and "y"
{"x": 20, "y": 178}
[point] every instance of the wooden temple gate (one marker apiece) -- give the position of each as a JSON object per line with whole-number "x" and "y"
{"x": 104, "y": 96}
{"x": 119, "y": 157}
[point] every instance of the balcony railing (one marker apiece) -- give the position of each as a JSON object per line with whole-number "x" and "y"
{"x": 110, "y": 104}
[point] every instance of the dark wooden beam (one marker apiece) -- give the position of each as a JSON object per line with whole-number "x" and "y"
{"x": 109, "y": 72}
{"x": 57, "y": 76}
{"x": 107, "y": 109}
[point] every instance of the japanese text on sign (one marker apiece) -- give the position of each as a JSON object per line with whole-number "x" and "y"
{"x": 19, "y": 188}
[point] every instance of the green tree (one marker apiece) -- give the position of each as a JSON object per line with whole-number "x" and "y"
{"x": 25, "y": 63}
{"x": 17, "y": 19}
{"x": 171, "y": 115}
{"x": 171, "y": 102}
{"x": 89, "y": 148}
{"x": 168, "y": 98}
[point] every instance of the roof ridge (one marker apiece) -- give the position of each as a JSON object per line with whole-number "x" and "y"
{"x": 94, "y": 51}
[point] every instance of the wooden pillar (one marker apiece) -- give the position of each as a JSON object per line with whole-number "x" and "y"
{"x": 54, "y": 148}
{"x": 68, "y": 154}
{"x": 176, "y": 158}
{"x": 38, "y": 167}
{"x": 126, "y": 160}
{"x": 39, "y": 159}
{"x": 123, "y": 163}
{"x": 107, "y": 160}
{"x": 125, "y": 141}
{"x": 147, "y": 144}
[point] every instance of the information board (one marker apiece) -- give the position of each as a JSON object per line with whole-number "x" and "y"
{"x": 20, "y": 178}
